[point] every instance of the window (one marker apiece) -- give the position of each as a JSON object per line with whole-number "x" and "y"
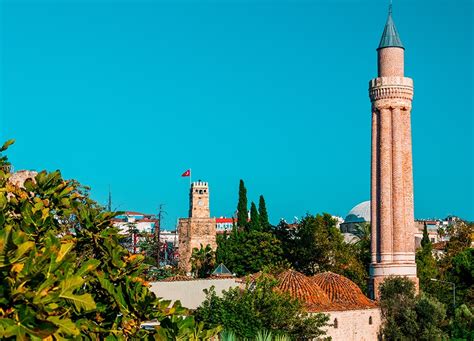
{"x": 335, "y": 323}
{"x": 370, "y": 320}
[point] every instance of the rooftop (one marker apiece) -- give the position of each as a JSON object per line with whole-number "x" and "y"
{"x": 342, "y": 292}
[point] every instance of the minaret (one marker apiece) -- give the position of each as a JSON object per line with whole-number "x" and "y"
{"x": 392, "y": 214}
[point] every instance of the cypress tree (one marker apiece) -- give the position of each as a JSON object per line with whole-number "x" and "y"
{"x": 426, "y": 239}
{"x": 242, "y": 212}
{"x": 254, "y": 218}
{"x": 262, "y": 211}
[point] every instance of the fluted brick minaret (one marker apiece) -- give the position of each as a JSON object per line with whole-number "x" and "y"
{"x": 392, "y": 214}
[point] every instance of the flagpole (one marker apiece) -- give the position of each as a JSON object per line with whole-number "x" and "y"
{"x": 190, "y": 177}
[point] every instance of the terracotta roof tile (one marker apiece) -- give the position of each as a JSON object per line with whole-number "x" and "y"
{"x": 177, "y": 278}
{"x": 301, "y": 287}
{"x": 342, "y": 292}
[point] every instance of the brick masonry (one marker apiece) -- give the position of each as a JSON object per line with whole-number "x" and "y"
{"x": 392, "y": 211}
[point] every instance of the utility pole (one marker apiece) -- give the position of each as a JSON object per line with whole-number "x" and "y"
{"x": 161, "y": 213}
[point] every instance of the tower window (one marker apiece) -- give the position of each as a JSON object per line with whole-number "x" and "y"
{"x": 335, "y": 323}
{"x": 200, "y": 191}
{"x": 370, "y": 320}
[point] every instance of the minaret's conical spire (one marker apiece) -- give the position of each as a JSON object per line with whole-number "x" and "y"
{"x": 390, "y": 37}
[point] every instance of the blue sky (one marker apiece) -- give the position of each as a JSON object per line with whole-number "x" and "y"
{"x": 131, "y": 94}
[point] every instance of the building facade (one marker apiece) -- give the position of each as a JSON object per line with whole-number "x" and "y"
{"x": 199, "y": 228}
{"x": 392, "y": 208}
{"x": 224, "y": 224}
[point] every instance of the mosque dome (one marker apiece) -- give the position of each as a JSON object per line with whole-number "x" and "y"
{"x": 342, "y": 292}
{"x": 359, "y": 213}
{"x": 303, "y": 288}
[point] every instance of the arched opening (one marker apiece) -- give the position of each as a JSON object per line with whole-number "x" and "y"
{"x": 335, "y": 323}
{"x": 370, "y": 320}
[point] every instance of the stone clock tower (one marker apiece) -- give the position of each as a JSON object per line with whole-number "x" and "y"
{"x": 392, "y": 211}
{"x": 199, "y": 228}
{"x": 199, "y": 200}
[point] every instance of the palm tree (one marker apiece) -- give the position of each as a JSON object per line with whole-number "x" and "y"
{"x": 203, "y": 261}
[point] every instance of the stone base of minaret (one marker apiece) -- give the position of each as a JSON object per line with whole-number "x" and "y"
{"x": 379, "y": 273}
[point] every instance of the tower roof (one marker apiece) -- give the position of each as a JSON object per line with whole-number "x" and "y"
{"x": 390, "y": 37}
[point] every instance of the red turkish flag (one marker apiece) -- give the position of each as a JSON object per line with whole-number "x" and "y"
{"x": 187, "y": 173}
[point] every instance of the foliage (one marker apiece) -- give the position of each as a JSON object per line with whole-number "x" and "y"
{"x": 457, "y": 264}
{"x": 406, "y": 317}
{"x": 362, "y": 246}
{"x": 254, "y": 218}
{"x": 316, "y": 245}
{"x": 242, "y": 212}
{"x": 426, "y": 238}
{"x": 149, "y": 246}
{"x": 262, "y": 212}
{"x": 426, "y": 264}
{"x": 247, "y": 252}
{"x": 156, "y": 274}
{"x": 462, "y": 326}
{"x": 258, "y": 307}
{"x": 184, "y": 328}
{"x": 203, "y": 261}
{"x": 63, "y": 273}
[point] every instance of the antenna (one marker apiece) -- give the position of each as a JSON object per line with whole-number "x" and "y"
{"x": 390, "y": 8}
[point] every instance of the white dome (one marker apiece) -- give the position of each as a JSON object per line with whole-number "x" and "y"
{"x": 359, "y": 213}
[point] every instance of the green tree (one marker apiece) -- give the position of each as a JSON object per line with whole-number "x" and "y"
{"x": 316, "y": 245}
{"x": 462, "y": 326}
{"x": 362, "y": 248}
{"x": 257, "y": 307}
{"x": 262, "y": 211}
{"x": 426, "y": 265}
{"x": 462, "y": 274}
{"x": 457, "y": 266}
{"x": 63, "y": 272}
{"x": 406, "y": 317}
{"x": 254, "y": 218}
{"x": 242, "y": 212}
{"x": 203, "y": 261}
{"x": 248, "y": 252}
{"x": 426, "y": 238}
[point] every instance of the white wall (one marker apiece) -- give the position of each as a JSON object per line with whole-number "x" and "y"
{"x": 353, "y": 325}
{"x": 190, "y": 293}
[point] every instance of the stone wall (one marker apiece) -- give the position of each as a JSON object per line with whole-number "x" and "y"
{"x": 354, "y": 325}
{"x": 194, "y": 232}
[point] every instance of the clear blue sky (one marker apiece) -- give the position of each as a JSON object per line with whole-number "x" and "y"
{"x": 131, "y": 94}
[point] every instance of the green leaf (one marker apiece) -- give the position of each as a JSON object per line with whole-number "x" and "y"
{"x": 83, "y": 302}
{"x": 66, "y": 326}
{"x": 64, "y": 250}
{"x": 7, "y": 144}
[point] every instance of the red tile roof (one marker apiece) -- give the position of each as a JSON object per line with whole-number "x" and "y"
{"x": 224, "y": 220}
{"x": 321, "y": 293}
{"x": 342, "y": 292}
{"x": 301, "y": 287}
{"x": 177, "y": 278}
